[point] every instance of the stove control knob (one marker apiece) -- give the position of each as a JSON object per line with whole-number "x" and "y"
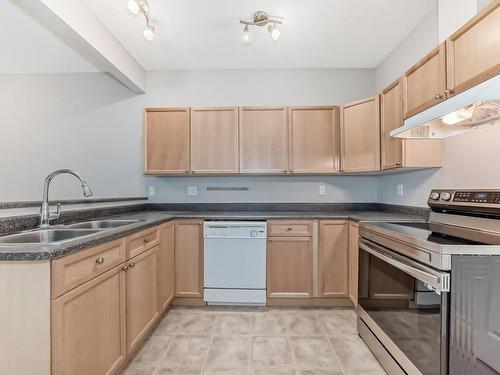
{"x": 446, "y": 196}
{"x": 435, "y": 196}
{"x": 253, "y": 233}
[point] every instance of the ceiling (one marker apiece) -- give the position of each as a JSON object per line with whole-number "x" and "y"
{"x": 206, "y": 34}
{"x": 29, "y": 47}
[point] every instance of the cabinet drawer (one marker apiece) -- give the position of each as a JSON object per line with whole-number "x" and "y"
{"x": 137, "y": 243}
{"x": 295, "y": 228}
{"x": 73, "y": 270}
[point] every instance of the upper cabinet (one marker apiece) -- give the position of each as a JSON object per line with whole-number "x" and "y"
{"x": 424, "y": 84}
{"x": 473, "y": 52}
{"x": 397, "y": 152}
{"x": 263, "y": 140}
{"x": 166, "y": 141}
{"x": 360, "y": 135}
{"x": 314, "y": 139}
{"x": 214, "y": 140}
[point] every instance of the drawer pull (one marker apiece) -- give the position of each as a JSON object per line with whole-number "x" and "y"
{"x": 146, "y": 240}
{"x": 125, "y": 268}
{"x": 132, "y": 265}
{"x": 99, "y": 260}
{"x": 289, "y": 228}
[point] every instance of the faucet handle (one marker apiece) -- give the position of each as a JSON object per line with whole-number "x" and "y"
{"x": 55, "y": 215}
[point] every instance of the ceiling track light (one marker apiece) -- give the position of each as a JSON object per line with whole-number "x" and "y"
{"x": 142, "y": 6}
{"x": 261, "y": 18}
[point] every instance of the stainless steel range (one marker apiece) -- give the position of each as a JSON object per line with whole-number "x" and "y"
{"x": 429, "y": 292}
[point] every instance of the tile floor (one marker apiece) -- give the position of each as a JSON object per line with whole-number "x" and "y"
{"x": 255, "y": 341}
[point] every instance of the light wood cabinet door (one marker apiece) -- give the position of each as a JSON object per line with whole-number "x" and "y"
{"x": 333, "y": 258}
{"x": 166, "y": 141}
{"x": 424, "y": 84}
{"x": 353, "y": 262}
{"x": 214, "y": 140}
{"x": 166, "y": 265}
{"x": 88, "y": 327}
{"x": 360, "y": 135}
{"x": 314, "y": 139}
{"x": 263, "y": 140}
{"x": 189, "y": 258}
{"x": 289, "y": 267}
{"x": 473, "y": 52}
{"x": 391, "y": 117}
{"x": 141, "y": 296}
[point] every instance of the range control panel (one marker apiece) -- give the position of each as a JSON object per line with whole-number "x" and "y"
{"x": 464, "y": 197}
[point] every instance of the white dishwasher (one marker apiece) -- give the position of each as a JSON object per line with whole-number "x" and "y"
{"x": 235, "y": 262}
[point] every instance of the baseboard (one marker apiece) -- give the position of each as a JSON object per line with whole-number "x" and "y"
{"x": 309, "y": 302}
{"x": 188, "y": 301}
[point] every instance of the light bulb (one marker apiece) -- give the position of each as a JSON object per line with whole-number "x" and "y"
{"x": 246, "y": 36}
{"x": 274, "y": 31}
{"x": 460, "y": 115}
{"x": 149, "y": 32}
{"x": 133, "y": 6}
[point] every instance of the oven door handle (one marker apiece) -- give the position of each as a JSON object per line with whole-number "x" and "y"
{"x": 440, "y": 281}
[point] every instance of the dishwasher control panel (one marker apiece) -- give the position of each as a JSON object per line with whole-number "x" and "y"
{"x": 235, "y": 229}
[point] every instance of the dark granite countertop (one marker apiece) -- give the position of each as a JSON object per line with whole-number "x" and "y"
{"x": 149, "y": 218}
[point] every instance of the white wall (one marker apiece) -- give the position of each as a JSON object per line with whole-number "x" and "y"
{"x": 91, "y": 123}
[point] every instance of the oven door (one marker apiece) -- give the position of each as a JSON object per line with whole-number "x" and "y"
{"x": 405, "y": 305}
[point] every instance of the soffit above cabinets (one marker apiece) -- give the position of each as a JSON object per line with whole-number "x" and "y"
{"x": 194, "y": 34}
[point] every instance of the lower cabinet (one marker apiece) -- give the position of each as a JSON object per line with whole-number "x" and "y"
{"x": 333, "y": 258}
{"x": 289, "y": 267}
{"x": 353, "y": 262}
{"x": 88, "y": 327}
{"x": 166, "y": 265}
{"x": 189, "y": 258}
{"x": 141, "y": 296}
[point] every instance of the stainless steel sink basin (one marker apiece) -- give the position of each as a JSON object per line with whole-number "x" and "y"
{"x": 101, "y": 224}
{"x": 46, "y": 236}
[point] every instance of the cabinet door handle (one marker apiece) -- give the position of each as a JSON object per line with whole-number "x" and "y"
{"x": 448, "y": 92}
{"x": 289, "y": 228}
{"x": 125, "y": 268}
{"x": 99, "y": 260}
{"x": 132, "y": 265}
{"x": 146, "y": 240}
{"x": 438, "y": 96}
{"x": 398, "y": 163}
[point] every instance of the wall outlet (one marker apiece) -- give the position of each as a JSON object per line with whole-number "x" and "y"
{"x": 151, "y": 191}
{"x": 192, "y": 191}
{"x": 322, "y": 190}
{"x": 400, "y": 190}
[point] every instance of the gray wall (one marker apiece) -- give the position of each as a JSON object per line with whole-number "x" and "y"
{"x": 91, "y": 123}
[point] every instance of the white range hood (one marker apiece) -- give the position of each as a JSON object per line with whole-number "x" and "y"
{"x": 479, "y": 105}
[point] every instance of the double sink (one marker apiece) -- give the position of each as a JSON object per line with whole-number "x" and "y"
{"x": 64, "y": 233}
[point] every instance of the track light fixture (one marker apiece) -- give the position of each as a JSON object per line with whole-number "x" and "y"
{"x": 261, "y": 18}
{"x": 142, "y": 6}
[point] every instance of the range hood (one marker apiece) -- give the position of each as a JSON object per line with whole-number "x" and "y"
{"x": 477, "y": 106}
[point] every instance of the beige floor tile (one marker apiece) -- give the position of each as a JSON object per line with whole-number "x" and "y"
{"x": 320, "y": 371}
{"x": 134, "y": 369}
{"x": 222, "y": 370}
{"x": 275, "y": 371}
{"x": 187, "y": 350}
{"x": 269, "y": 323}
{"x": 303, "y": 324}
{"x": 198, "y": 323}
{"x": 270, "y": 351}
{"x": 313, "y": 351}
{"x": 354, "y": 354}
{"x": 365, "y": 372}
{"x": 170, "y": 323}
{"x": 234, "y": 324}
{"x": 182, "y": 370}
{"x": 338, "y": 322}
{"x": 153, "y": 350}
{"x": 231, "y": 351}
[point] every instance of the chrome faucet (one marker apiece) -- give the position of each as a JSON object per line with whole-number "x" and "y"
{"x": 45, "y": 214}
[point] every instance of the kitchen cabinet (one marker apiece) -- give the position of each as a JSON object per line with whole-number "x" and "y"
{"x": 473, "y": 52}
{"x": 333, "y": 258}
{"x": 141, "y": 296}
{"x": 424, "y": 84}
{"x": 166, "y": 265}
{"x": 88, "y": 327}
{"x": 166, "y": 141}
{"x": 290, "y": 259}
{"x": 263, "y": 140}
{"x": 398, "y": 152}
{"x": 214, "y": 140}
{"x": 360, "y": 135}
{"x": 353, "y": 262}
{"x": 314, "y": 139}
{"x": 189, "y": 258}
